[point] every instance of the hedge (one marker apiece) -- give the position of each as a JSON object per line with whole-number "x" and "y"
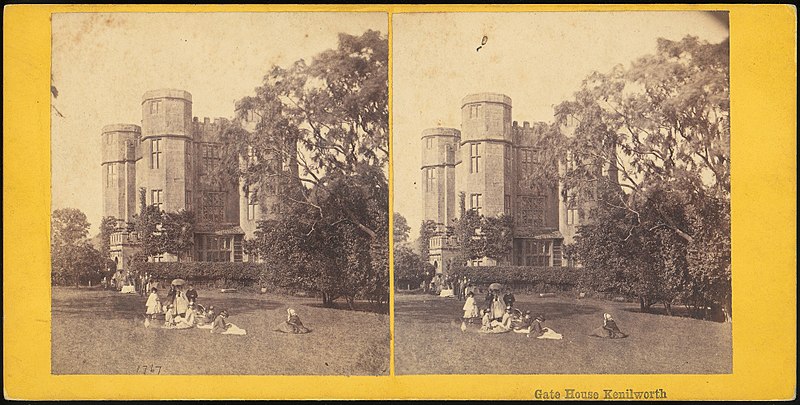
{"x": 209, "y": 274}
{"x": 527, "y": 278}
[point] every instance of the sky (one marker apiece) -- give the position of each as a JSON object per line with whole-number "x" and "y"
{"x": 537, "y": 59}
{"x": 104, "y": 63}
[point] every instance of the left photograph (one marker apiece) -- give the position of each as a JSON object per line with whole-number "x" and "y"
{"x": 220, "y": 197}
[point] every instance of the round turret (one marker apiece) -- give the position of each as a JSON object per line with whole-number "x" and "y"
{"x": 439, "y": 145}
{"x": 118, "y": 142}
{"x": 486, "y": 116}
{"x": 118, "y": 146}
{"x": 166, "y": 112}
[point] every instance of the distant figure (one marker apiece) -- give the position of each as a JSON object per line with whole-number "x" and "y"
{"x": 171, "y": 295}
{"x": 292, "y": 323}
{"x": 187, "y": 320}
{"x": 219, "y": 325}
{"x": 498, "y": 307}
{"x": 523, "y": 325}
{"x": 153, "y": 306}
{"x": 486, "y": 320}
{"x": 181, "y": 302}
{"x": 470, "y": 308}
{"x": 508, "y": 298}
{"x": 169, "y": 316}
{"x": 609, "y": 330}
{"x": 542, "y": 332}
{"x": 191, "y": 294}
{"x": 505, "y": 321}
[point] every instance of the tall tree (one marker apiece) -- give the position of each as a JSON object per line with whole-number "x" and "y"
{"x": 663, "y": 122}
{"x": 427, "y": 229}
{"x": 72, "y": 257}
{"x": 148, "y": 225}
{"x": 69, "y": 226}
{"x": 400, "y": 228}
{"x": 107, "y": 226}
{"x": 177, "y": 232}
{"x": 653, "y": 142}
{"x": 321, "y": 128}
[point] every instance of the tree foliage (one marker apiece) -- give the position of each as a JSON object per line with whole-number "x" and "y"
{"x": 164, "y": 232}
{"x": 662, "y": 128}
{"x": 323, "y": 250}
{"x": 177, "y": 232}
{"x": 107, "y": 227}
{"x": 427, "y": 229}
{"x": 400, "y": 228}
{"x": 409, "y": 269}
{"x": 73, "y": 259}
{"x": 320, "y": 130}
{"x": 480, "y": 236}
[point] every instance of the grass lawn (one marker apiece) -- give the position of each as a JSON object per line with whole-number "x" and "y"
{"x": 102, "y": 332}
{"x": 428, "y": 341}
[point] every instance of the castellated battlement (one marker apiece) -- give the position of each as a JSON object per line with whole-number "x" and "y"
{"x": 166, "y": 93}
{"x": 207, "y": 130}
{"x": 166, "y": 113}
{"x": 439, "y": 146}
{"x": 119, "y": 142}
{"x": 486, "y": 98}
{"x": 486, "y": 117}
{"x": 108, "y": 129}
{"x": 441, "y": 131}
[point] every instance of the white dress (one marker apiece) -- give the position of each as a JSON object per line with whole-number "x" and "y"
{"x": 470, "y": 308}
{"x": 153, "y": 304}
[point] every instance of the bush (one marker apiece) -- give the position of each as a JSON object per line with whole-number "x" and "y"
{"x": 528, "y": 278}
{"x": 209, "y": 274}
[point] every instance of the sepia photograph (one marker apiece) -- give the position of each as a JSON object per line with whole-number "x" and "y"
{"x": 220, "y": 195}
{"x": 562, "y": 193}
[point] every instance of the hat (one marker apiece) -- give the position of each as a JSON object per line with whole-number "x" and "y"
{"x": 527, "y": 312}
{"x": 211, "y": 307}
{"x": 508, "y": 307}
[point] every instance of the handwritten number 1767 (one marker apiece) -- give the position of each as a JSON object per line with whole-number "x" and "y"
{"x": 151, "y": 369}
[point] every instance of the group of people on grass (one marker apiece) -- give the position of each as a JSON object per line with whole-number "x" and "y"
{"x": 459, "y": 286}
{"x": 181, "y": 311}
{"x": 140, "y": 282}
{"x": 500, "y": 316}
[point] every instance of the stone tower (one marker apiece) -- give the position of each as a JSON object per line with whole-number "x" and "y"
{"x": 439, "y": 148}
{"x": 119, "y": 171}
{"x": 485, "y": 174}
{"x": 166, "y": 145}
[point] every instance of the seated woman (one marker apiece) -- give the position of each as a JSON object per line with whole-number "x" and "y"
{"x": 222, "y": 327}
{"x": 523, "y": 325}
{"x": 609, "y": 330}
{"x": 187, "y": 320}
{"x": 292, "y": 323}
{"x": 169, "y": 316}
{"x": 542, "y": 332}
{"x": 486, "y": 321}
{"x": 210, "y": 315}
{"x": 504, "y": 323}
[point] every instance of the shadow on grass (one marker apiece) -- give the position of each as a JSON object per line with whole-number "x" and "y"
{"x": 430, "y": 310}
{"x": 359, "y": 306}
{"x": 677, "y": 311}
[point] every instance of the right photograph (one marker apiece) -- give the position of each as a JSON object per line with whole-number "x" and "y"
{"x": 562, "y": 193}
